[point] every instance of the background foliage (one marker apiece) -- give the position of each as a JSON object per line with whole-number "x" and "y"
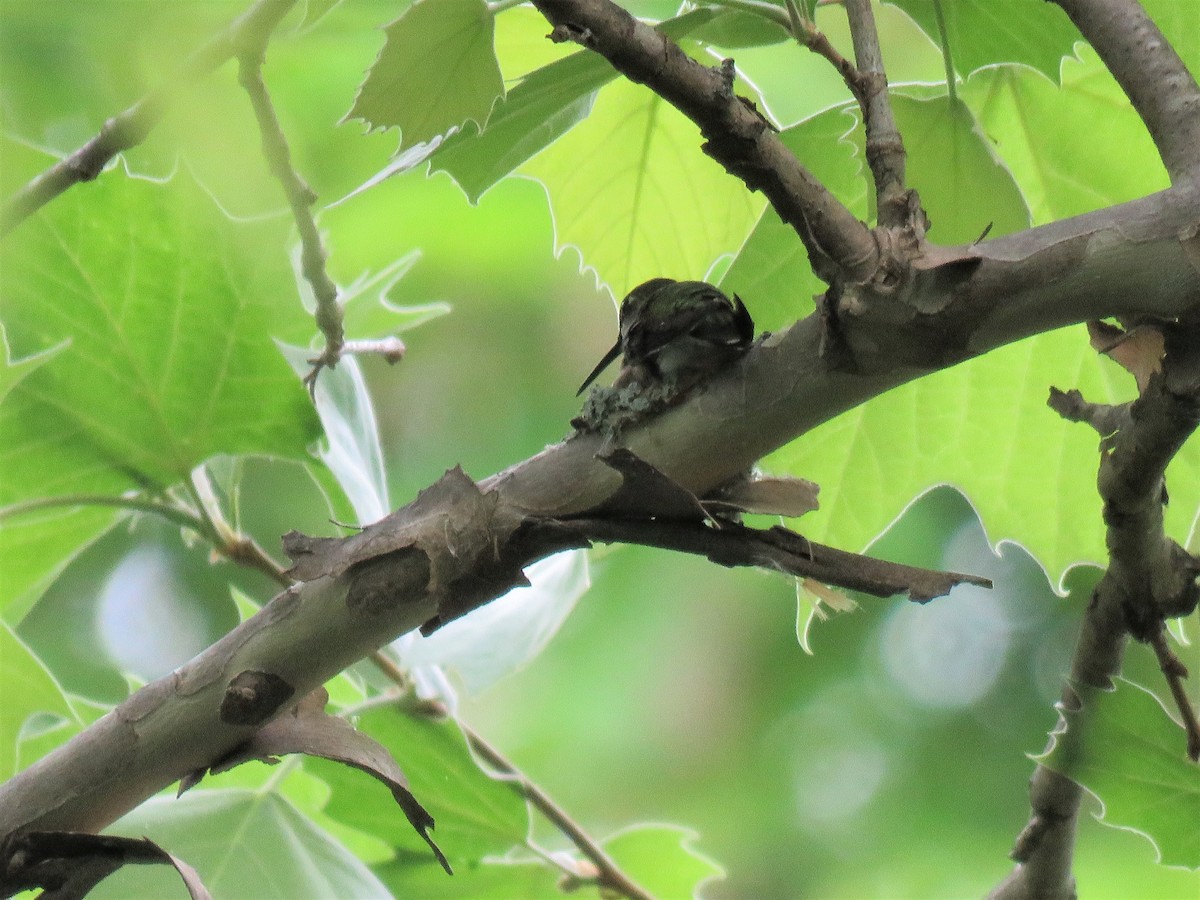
{"x": 145, "y": 315}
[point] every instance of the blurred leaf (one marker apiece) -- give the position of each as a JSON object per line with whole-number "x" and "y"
{"x": 631, "y": 191}
{"x": 168, "y": 307}
{"x": 660, "y": 859}
{"x": 35, "y": 547}
{"x": 492, "y": 880}
{"x": 243, "y": 844}
{"x": 1128, "y": 751}
{"x": 476, "y": 815}
{"x": 351, "y": 445}
{"x": 506, "y": 634}
{"x": 1040, "y": 131}
{"x": 315, "y": 10}
{"x": 963, "y": 187}
{"x": 983, "y": 33}
{"x": 29, "y": 690}
{"x": 437, "y": 70}
{"x": 11, "y": 372}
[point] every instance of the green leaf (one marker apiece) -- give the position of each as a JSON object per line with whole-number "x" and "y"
{"x": 975, "y": 426}
{"x": 243, "y": 844}
{"x": 984, "y": 33}
{"x": 29, "y": 690}
{"x": 542, "y": 108}
{"x": 507, "y": 634}
{"x": 437, "y": 70}
{"x": 660, "y": 859}
{"x": 1036, "y": 128}
{"x": 475, "y": 814}
{"x": 734, "y": 29}
{"x": 11, "y": 372}
{"x": 962, "y": 186}
{"x": 1177, "y": 21}
{"x": 1126, "y": 749}
{"x": 315, "y": 10}
{"x": 492, "y": 880}
{"x": 35, "y": 547}
{"x": 169, "y": 308}
{"x": 631, "y": 191}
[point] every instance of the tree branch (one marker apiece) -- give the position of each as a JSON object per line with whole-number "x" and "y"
{"x": 885, "y": 146}
{"x": 737, "y": 135}
{"x": 300, "y": 198}
{"x": 1155, "y": 79}
{"x": 1149, "y": 577}
{"x": 128, "y": 129}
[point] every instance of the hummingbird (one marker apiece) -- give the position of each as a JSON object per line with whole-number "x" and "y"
{"x": 674, "y": 332}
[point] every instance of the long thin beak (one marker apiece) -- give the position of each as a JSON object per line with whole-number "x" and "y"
{"x": 600, "y": 366}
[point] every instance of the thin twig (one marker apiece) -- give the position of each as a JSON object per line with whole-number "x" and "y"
{"x": 300, "y": 198}
{"x": 884, "y": 145}
{"x": 176, "y": 514}
{"x": 227, "y": 540}
{"x": 947, "y": 58}
{"x": 1175, "y": 671}
{"x": 130, "y": 128}
{"x": 610, "y": 875}
{"x": 1105, "y": 418}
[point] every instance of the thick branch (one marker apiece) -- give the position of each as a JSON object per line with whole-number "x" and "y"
{"x": 130, "y": 128}
{"x": 1155, "y": 79}
{"x": 1137, "y": 258}
{"x": 737, "y": 135}
{"x": 1149, "y": 577}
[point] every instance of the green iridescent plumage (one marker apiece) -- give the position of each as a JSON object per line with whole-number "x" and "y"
{"x": 676, "y": 332}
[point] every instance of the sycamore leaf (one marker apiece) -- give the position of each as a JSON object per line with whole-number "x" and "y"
{"x": 984, "y": 33}
{"x": 30, "y": 691}
{"x": 279, "y": 853}
{"x": 11, "y": 372}
{"x": 1125, "y": 748}
{"x": 662, "y": 859}
{"x": 631, "y": 191}
{"x": 436, "y": 71}
{"x": 168, "y": 308}
{"x": 1036, "y": 129}
{"x": 546, "y": 104}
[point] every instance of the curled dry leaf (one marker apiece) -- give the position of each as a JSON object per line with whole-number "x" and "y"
{"x": 1139, "y": 350}
{"x": 68, "y": 864}
{"x": 767, "y": 495}
{"x": 308, "y": 729}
